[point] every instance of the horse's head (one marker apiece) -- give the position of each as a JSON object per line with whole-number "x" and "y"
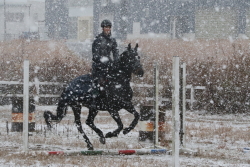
{"x": 131, "y": 60}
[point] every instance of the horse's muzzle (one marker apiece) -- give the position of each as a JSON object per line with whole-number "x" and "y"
{"x": 139, "y": 72}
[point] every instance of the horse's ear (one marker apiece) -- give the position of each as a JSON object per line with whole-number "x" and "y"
{"x": 129, "y": 46}
{"x": 136, "y": 46}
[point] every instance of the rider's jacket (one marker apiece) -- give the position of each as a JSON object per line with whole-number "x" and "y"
{"x": 102, "y": 47}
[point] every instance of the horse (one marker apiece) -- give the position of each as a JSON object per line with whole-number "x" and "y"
{"x": 116, "y": 95}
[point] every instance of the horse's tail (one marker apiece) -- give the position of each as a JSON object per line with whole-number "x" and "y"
{"x": 76, "y": 91}
{"x": 60, "y": 112}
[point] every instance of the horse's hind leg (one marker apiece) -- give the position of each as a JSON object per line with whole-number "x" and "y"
{"x": 90, "y": 123}
{"x": 130, "y": 108}
{"x": 77, "y": 113}
{"x": 115, "y": 115}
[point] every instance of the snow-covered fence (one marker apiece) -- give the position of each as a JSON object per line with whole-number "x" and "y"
{"x": 192, "y": 94}
{"x": 37, "y": 95}
{"x": 191, "y": 100}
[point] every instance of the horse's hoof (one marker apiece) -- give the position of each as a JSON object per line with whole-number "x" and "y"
{"x": 102, "y": 140}
{"x": 110, "y": 134}
{"x": 90, "y": 147}
{"x": 49, "y": 127}
{"x": 126, "y": 131}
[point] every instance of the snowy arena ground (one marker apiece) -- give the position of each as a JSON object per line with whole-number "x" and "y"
{"x": 218, "y": 140}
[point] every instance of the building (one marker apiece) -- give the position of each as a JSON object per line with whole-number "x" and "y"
{"x": 201, "y": 19}
{"x": 115, "y": 10}
{"x": 80, "y": 20}
{"x": 56, "y": 18}
{"x": 69, "y": 19}
{"x": 22, "y": 18}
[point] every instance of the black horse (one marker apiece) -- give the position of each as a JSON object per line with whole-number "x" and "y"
{"x": 116, "y": 95}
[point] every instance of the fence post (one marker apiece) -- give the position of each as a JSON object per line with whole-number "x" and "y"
{"x": 37, "y": 89}
{"x": 25, "y": 104}
{"x": 175, "y": 112}
{"x": 183, "y": 105}
{"x": 191, "y": 97}
{"x": 156, "y": 105}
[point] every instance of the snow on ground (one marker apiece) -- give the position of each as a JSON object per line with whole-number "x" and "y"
{"x": 218, "y": 140}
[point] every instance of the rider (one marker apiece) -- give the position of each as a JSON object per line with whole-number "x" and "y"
{"x": 102, "y": 47}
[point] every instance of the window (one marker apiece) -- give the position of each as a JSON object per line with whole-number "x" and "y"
{"x": 136, "y": 28}
{"x": 14, "y": 17}
{"x": 35, "y": 17}
{"x": 104, "y": 2}
{"x": 147, "y": 12}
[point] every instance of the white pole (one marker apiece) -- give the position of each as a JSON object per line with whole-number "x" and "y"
{"x": 192, "y": 97}
{"x": 25, "y": 104}
{"x": 184, "y": 104}
{"x": 156, "y": 104}
{"x": 37, "y": 90}
{"x": 175, "y": 112}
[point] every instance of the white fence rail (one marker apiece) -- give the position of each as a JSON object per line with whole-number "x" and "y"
{"x": 37, "y": 84}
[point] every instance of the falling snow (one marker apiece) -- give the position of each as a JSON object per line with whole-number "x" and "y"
{"x": 211, "y": 36}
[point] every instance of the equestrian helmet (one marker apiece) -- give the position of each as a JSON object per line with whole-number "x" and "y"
{"x": 106, "y": 23}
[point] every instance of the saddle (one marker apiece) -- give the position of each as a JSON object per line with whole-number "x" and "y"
{"x": 99, "y": 91}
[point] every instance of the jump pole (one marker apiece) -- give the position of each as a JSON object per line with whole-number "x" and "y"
{"x": 156, "y": 126}
{"x": 183, "y": 84}
{"x": 156, "y": 105}
{"x": 183, "y": 105}
{"x": 109, "y": 152}
{"x": 25, "y": 104}
{"x": 179, "y": 111}
{"x": 175, "y": 112}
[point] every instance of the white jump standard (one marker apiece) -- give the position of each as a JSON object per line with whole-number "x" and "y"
{"x": 178, "y": 111}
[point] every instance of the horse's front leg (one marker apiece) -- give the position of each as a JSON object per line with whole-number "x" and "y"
{"x": 77, "y": 112}
{"x": 90, "y": 123}
{"x": 115, "y": 115}
{"x": 130, "y": 108}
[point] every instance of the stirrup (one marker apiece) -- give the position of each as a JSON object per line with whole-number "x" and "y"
{"x": 95, "y": 93}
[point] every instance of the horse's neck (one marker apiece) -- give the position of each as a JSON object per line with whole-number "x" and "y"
{"x": 121, "y": 76}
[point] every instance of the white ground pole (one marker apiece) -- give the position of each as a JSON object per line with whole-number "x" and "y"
{"x": 156, "y": 104}
{"x": 25, "y": 104}
{"x": 175, "y": 112}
